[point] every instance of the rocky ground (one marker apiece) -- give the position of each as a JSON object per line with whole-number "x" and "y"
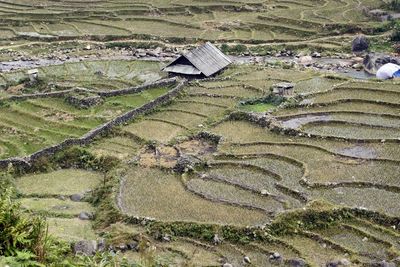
{"x": 352, "y": 65}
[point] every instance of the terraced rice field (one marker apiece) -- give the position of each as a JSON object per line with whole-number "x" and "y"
{"x": 224, "y": 174}
{"x": 354, "y": 164}
{"x": 233, "y": 21}
{"x": 34, "y": 123}
{"x": 100, "y": 75}
{"x": 49, "y": 194}
{"x": 316, "y": 178}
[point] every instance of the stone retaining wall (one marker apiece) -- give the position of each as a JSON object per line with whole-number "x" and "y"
{"x": 64, "y": 93}
{"x": 88, "y": 137}
{"x": 137, "y": 89}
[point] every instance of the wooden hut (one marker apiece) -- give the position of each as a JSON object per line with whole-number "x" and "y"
{"x": 204, "y": 61}
{"x": 283, "y": 89}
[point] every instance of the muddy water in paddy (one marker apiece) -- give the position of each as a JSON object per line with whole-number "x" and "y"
{"x": 358, "y": 151}
{"x": 296, "y": 123}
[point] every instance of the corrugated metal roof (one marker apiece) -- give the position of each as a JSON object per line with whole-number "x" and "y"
{"x": 182, "y": 69}
{"x": 207, "y": 58}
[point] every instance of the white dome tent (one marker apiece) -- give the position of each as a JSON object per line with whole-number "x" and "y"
{"x": 388, "y": 71}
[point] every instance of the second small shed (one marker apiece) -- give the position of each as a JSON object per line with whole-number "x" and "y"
{"x": 201, "y": 62}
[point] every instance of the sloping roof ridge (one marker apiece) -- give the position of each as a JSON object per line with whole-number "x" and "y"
{"x": 202, "y": 63}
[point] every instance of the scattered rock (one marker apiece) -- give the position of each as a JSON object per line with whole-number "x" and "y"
{"x": 306, "y": 60}
{"x": 358, "y": 66}
{"x": 133, "y": 245}
{"x": 276, "y": 258}
{"x": 264, "y": 192}
{"x": 377, "y": 13}
{"x": 155, "y": 53}
{"x": 342, "y": 262}
{"x": 61, "y": 197}
{"x": 101, "y": 245}
{"x": 276, "y": 255}
{"x": 166, "y": 238}
{"x": 122, "y": 247}
{"x": 76, "y": 197}
{"x": 185, "y": 163}
{"x": 356, "y": 60}
{"x": 383, "y": 264}
{"x": 345, "y": 262}
{"x": 373, "y": 61}
{"x": 316, "y": 55}
{"x": 359, "y": 44}
{"x": 227, "y": 265}
{"x": 85, "y": 247}
{"x": 217, "y": 240}
{"x": 85, "y": 215}
{"x": 296, "y": 262}
{"x": 332, "y": 264}
{"x": 246, "y": 259}
{"x": 99, "y": 73}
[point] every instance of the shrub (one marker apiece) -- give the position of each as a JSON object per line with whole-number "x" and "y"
{"x": 396, "y": 32}
{"x": 235, "y": 49}
{"x": 394, "y": 5}
{"x": 20, "y": 233}
{"x": 74, "y": 157}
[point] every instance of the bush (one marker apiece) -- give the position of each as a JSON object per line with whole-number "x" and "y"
{"x": 235, "y": 49}
{"x": 74, "y": 157}
{"x": 18, "y": 232}
{"x": 396, "y": 32}
{"x": 394, "y": 5}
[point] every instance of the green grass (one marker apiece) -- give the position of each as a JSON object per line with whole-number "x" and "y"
{"x": 358, "y": 94}
{"x": 260, "y": 107}
{"x": 56, "y": 206}
{"x": 294, "y": 170}
{"x": 315, "y": 85}
{"x": 236, "y": 91}
{"x": 119, "y": 146}
{"x": 351, "y": 131}
{"x": 346, "y": 107}
{"x": 314, "y": 252}
{"x": 46, "y": 122}
{"x": 99, "y": 74}
{"x": 137, "y": 100}
{"x": 71, "y": 230}
{"x": 373, "y": 199}
{"x": 62, "y": 182}
{"x": 356, "y": 242}
{"x": 154, "y": 130}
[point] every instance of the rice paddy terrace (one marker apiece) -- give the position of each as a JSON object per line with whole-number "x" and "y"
{"x": 210, "y": 178}
{"x": 310, "y": 21}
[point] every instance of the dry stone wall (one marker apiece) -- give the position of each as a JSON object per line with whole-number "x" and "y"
{"x": 64, "y": 93}
{"x": 88, "y": 137}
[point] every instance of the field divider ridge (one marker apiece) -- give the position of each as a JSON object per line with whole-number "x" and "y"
{"x": 88, "y": 137}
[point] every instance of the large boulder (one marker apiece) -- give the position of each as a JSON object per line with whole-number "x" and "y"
{"x": 372, "y": 62}
{"x": 85, "y": 215}
{"x": 186, "y": 163}
{"x": 85, "y": 247}
{"x": 306, "y": 60}
{"x": 77, "y": 197}
{"x": 359, "y": 44}
{"x": 296, "y": 262}
{"x": 383, "y": 264}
